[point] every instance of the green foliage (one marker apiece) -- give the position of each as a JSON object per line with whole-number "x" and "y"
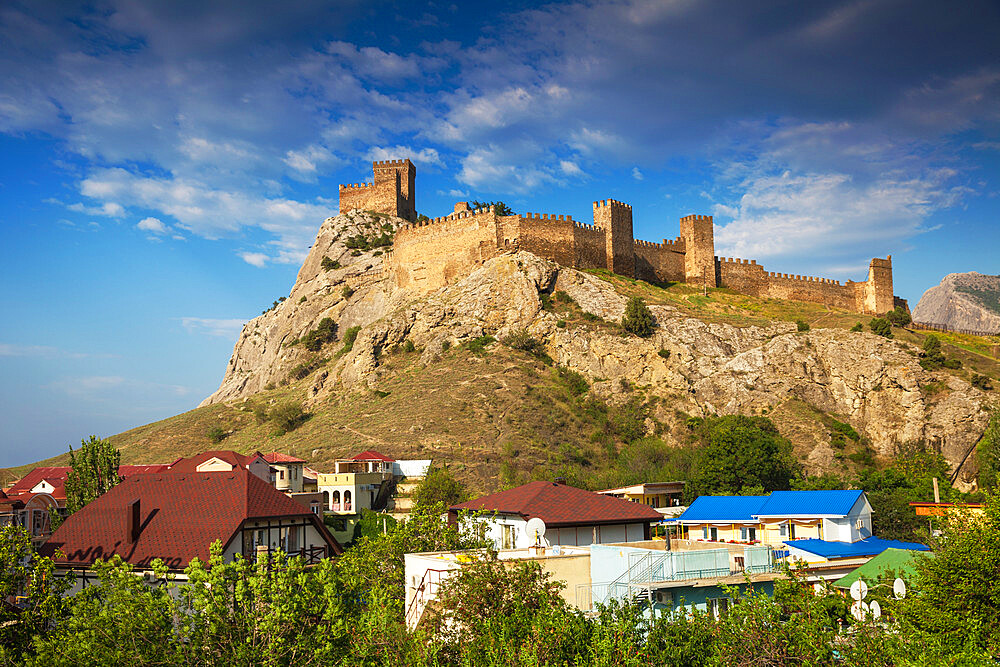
{"x": 288, "y": 416}
{"x": 575, "y": 383}
{"x": 303, "y": 369}
{"x": 273, "y": 305}
{"x": 898, "y": 317}
{"x": 880, "y": 327}
{"x": 638, "y": 320}
{"x": 93, "y": 470}
{"x": 408, "y": 346}
{"x": 740, "y": 452}
{"x": 302, "y": 300}
{"x": 932, "y": 357}
{"x": 329, "y": 264}
{"x": 664, "y": 353}
{"x": 477, "y": 346}
{"x": 350, "y": 336}
{"x": 24, "y": 573}
{"x": 439, "y": 487}
{"x": 325, "y": 332}
{"x": 988, "y": 455}
{"x": 372, "y": 524}
{"x": 347, "y": 292}
{"x": 846, "y": 430}
{"x": 858, "y": 327}
{"x": 520, "y": 339}
{"x": 501, "y": 208}
{"x": 259, "y": 412}
{"x": 369, "y": 241}
{"x": 982, "y": 382}
{"x": 801, "y": 325}
{"x": 423, "y": 218}
{"x": 445, "y": 345}
{"x": 561, "y": 324}
{"x": 216, "y": 434}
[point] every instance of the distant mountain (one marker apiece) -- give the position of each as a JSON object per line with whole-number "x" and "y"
{"x": 962, "y": 301}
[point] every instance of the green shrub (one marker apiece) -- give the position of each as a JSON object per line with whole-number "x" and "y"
{"x": 880, "y": 327}
{"x": 408, "y": 346}
{"x": 952, "y": 363}
{"x": 858, "y": 327}
{"x": 288, "y": 416}
{"x": 545, "y": 300}
{"x": 802, "y": 325}
{"x": 347, "y": 292}
{"x": 574, "y": 382}
{"x": 329, "y": 264}
{"x": 216, "y": 434}
{"x": 846, "y": 429}
{"x": 302, "y": 300}
{"x": 522, "y": 340}
{"x": 898, "y": 316}
{"x": 355, "y": 253}
{"x": 981, "y": 382}
{"x": 325, "y": 332}
{"x": 665, "y": 353}
{"x": 638, "y": 320}
{"x": 260, "y": 413}
{"x": 561, "y": 324}
{"x": 349, "y": 337}
{"x": 445, "y": 345}
{"x": 306, "y": 367}
{"x": 478, "y": 345}
{"x": 563, "y": 297}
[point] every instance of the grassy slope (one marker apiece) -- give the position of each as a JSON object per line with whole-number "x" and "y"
{"x": 478, "y": 413}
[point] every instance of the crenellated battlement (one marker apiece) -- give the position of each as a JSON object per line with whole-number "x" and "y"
{"x": 433, "y": 252}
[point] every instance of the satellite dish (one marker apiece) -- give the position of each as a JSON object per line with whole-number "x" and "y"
{"x": 858, "y": 610}
{"x": 818, "y": 588}
{"x": 876, "y": 609}
{"x": 535, "y": 529}
{"x": 899, "y": 588}
{"x": 859, "y": 590}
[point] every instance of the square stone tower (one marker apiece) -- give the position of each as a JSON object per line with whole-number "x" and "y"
{"x": 698, "y": 233}
{"x": 615, "y": 218}
{"x": 391, "y": 190}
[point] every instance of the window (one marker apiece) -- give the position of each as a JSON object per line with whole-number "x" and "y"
{"x": 507, "y": 536}
{"x": 710, "y": 534}
{"x": 787, "y": 530}
{"x": 281, "y": 474}
{"x": 748, "y": 534}
{"x": 718, "y": 606}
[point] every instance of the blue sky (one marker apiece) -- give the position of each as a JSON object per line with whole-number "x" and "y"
{"x": 166, "y": 164}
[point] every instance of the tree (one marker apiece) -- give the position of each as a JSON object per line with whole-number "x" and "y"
{"x": 880, "y": 327}
{"x": 898, "y": 317}
{"x": 988, "y": 455}
{"x": 638, "y": 319}
{"x": 93, "y": 470}
{"x": 742, "y": 452}
{"x": 500, "y": 207}
{"x": 439, "y": 487}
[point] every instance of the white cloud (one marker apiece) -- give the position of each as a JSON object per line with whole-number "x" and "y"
{"x": 12, "y": 350}
{"x": 570, "y": 168}
{"x": 223, "y": 328}
{"x": 492, "y": 170}
{"x": 100, "y": 388}
{"x": 110, "y": 209}
{"x": 423, "y": 156}
{"x": 636, "y": 174}
{"x": 257, "y": 259}
{"x": 153, "y": 225}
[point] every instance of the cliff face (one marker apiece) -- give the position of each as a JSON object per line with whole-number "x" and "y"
{"x": 874, "y": 383}
{"x": 962, "y": 301}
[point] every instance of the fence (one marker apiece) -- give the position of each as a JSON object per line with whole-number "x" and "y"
{"x": 944, "y": 327}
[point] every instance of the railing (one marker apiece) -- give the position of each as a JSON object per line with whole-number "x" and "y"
{"x": 944, "y": 327}
{"x": 426, "y": 591}
{"x": 311, "y": 555}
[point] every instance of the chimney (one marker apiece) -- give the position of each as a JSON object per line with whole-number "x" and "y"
{"x": 134, "y": 521}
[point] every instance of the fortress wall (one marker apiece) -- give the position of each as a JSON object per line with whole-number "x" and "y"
{"x": 590, "y": 249}
{"x": 659, "y": 262}
{"x": 878, "y": 297}
{"x": 748, "y": 277}
{"x": 429, "y": 255}
{"x": 698, "y": 232}
{"x": 357, "y": 195}
{"x": 548, "y": 236}
{"x": 615, "y": 218}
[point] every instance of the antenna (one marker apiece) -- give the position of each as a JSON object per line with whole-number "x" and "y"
{"x": 858, "y": 610}
{"x": 535, "y": 530}
{"x": 876, "y": 609}
{"x": 899, "y": 588}
{"x": 859, "y": 589}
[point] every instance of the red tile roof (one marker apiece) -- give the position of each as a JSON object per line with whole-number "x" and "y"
{"x": 372, "y": 455}
{"x": 191, "y": 463}
{"x": 278, "y": 457}
{"x": 561, "y": 505}
{"x": 181, "y": 514}
{"x": 56, "y": 476}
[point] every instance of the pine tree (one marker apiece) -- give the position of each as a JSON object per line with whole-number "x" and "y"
{"x": 638, "y": 319}
{"x": 94, "y": 470}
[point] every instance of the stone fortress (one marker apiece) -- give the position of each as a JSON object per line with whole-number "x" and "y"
{"x": 429, "y": 254}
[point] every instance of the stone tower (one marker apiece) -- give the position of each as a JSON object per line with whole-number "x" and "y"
{"x": 615, "y": 218}
{"x": 699, "y": 250}
{"x": 878, "y": 288}
{"x": 391, "y": 190}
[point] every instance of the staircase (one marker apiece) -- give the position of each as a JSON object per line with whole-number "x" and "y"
{"x": 401, "y": 504}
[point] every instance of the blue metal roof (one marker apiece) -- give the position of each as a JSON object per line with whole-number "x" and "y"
{"x": 809, "y": 503}
{"x": 871, "y": 546}
{"x": 722, "y": 509}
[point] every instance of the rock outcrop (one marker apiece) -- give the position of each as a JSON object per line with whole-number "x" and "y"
{"x": 969, "y": 301}
{"x": 701, "y": 368}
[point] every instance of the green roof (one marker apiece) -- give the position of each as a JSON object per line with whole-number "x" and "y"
{"x": 899, "y": 560}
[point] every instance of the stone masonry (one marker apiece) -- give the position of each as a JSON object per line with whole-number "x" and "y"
{"x": 430, "y": 254}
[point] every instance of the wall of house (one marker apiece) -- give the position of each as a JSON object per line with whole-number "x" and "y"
{"x": 275, "y": 534}
{"x": 288, "y": 477}
{"x": 362, "y": 487}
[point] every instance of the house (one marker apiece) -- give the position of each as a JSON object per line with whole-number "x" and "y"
{"x": 838, "y": 516}
{"x": 362, "y": 482}
{"x": 30, "y": 510}
{"x": 288, "y": 472}
{"x": 573, "y": 517}
{"x": 658, "y": 495}
{"x": 224, "y": 460}
{"x": 51, "y": 480}
{"x": 814, "y": 551}
{"x": 176, "y": 516}
{"x": 900, "y": 562}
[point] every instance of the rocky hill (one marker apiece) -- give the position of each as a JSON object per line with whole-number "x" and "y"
{"x": 696, "y": 363}
{"x": 969, "y": 301}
